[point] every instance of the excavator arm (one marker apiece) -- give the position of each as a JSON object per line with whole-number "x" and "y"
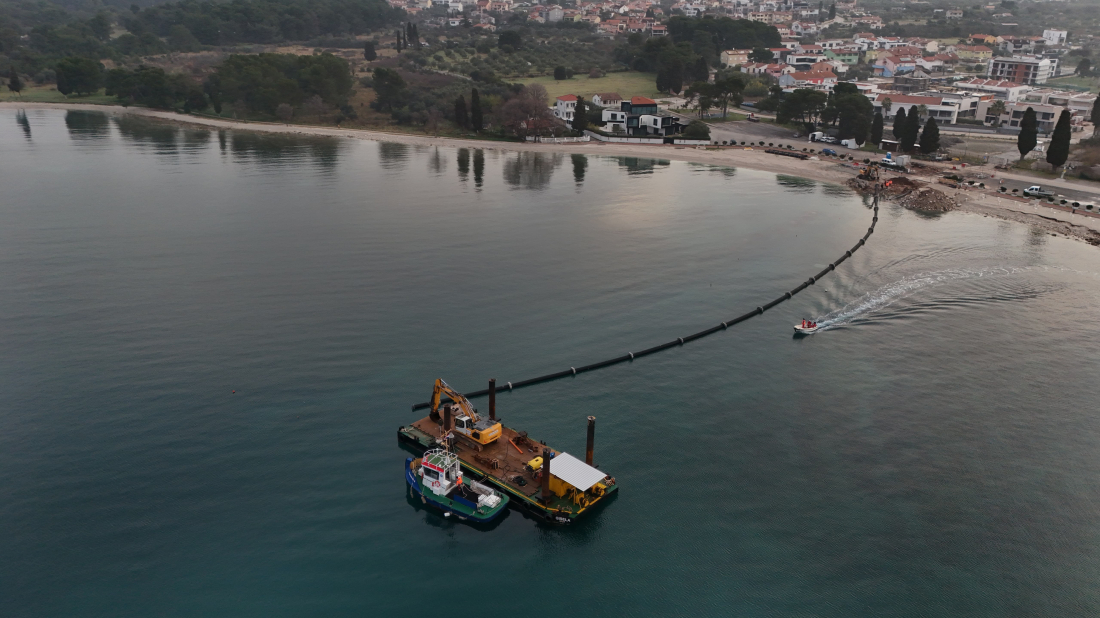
{"x": 442, "y": 388}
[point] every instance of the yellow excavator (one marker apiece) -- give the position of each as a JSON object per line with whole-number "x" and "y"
{"x": 467, "y": 424}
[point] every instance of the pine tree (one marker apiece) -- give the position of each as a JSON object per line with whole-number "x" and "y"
{"x": 476, "y": 119}
{"x": 899, "y": 123}
{"x": 580, "y": 115}
{"x": 702, "y": 71}
{"x": 930, "y": 138}
{"x": 1029, "y": 133}
{"x": 876, "y": 129}
{"x": 1058, "y": 151}
{"x": 462, "y": 119}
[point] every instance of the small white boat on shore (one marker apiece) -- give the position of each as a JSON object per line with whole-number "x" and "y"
{"x": 800, "y": 329}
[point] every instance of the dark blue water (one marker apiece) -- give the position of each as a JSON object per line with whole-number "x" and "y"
{"x": 933, "y": 452}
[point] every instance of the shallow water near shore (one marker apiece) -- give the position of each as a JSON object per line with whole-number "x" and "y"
{"x": 209, "y": 339}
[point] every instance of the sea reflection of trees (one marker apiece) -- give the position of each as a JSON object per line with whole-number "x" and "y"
{"x": 284, "y": 149}
{"x": 531, "y": 170}
{"x": 159, "y": 136}
{"x": 636, "y": 165}
{"x": 437, "y": 162}
{"x": 24, "y": 123}
{"x": 87, "y": 125}
{"x": 703, "y": 168}
{"x": 796, "y": 184}
{"x": 392, "y": 155}
{"x": 580, "y": 166}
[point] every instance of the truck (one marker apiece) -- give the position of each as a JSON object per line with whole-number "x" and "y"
{"x": 1038, "y": 191}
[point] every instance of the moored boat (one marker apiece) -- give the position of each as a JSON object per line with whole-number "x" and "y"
{"x": 437, "y": 479}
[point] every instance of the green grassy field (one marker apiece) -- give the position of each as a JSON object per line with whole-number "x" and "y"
{"x": 628, "y": 84}
{"x": 49, "y": 94}
{"x": 1074, "y": 80}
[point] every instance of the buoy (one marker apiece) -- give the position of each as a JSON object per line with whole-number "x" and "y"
{"x": 234, "y": 391}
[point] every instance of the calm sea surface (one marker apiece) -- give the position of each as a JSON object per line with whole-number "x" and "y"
{"x": 935, "y": 452}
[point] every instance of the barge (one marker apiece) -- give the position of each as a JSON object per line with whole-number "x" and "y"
{"x": 550, "y": 485}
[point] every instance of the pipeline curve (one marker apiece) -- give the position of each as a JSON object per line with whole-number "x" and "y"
{"x": 679, "y": 341}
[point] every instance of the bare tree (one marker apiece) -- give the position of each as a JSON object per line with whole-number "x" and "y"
{"x": 284, "y": 112}
{"x": 527, "y": 113}
{"x": 314, "y": 105}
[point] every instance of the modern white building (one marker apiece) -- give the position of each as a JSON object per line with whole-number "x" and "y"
{"x": 1027, "y": 70}
{"x": 1055, "y": 37}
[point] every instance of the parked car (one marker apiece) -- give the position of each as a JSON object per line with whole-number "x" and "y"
{"x": 828, "y": 151}
{"x": 828, "y": 139}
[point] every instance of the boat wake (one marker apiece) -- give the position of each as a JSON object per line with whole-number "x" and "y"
{"x": 875, "y": 302}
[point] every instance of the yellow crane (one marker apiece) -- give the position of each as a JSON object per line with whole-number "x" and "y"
{"x": 467, "y": 423}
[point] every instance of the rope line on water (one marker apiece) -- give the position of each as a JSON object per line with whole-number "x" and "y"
{"x": 679, "y": 341}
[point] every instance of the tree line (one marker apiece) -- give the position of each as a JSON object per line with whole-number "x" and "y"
{"x": 35, "y": 36}
{"x": 263, "y": 21}
{"x": 692, "y": 48}
{"x": 264, "y": 84}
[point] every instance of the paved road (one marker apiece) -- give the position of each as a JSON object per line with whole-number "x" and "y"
{"x": 1087, "y": 196}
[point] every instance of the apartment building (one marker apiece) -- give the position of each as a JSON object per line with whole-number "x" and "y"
{"x": 1027, "y": 70}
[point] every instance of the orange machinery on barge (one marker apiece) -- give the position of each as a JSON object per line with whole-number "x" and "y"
{"x": 550, "y": 484}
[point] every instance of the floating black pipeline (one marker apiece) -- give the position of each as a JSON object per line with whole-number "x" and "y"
{"x": 679, "y": 341}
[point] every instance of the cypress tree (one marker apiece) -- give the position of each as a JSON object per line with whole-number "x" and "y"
{"x": 476, "y": 119}
{"x": 899, "y": 123}
{"x": 462, "y": 119}
{"x": 580, "y": 115}
{"x": 911, "y": 131}
{"x": 1058, "y": 151}
{"x": 1029, "y": 133}
{"x": 1095, "y": 116}
{"x": 930, "y": 138}
{"x": 832, "y": 11}
{"x": 876, "y": 129}
{"x": 368, "y": 51}
{"x": 14, "y": 83}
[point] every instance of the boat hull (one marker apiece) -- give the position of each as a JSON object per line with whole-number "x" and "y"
{"x": 801, "y": 330}
{"x": 449, "y": 506}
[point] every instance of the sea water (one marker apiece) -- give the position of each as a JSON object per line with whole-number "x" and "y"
{"x": 208, "y": 340}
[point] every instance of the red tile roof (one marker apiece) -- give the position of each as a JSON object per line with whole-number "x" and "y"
{"x": 567, "y": 97}
{"x": 642, "y": 101}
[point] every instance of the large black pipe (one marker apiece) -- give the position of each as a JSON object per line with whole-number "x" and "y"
{"x": 591, "y": 440}
{"x": 491, "y": 391}
{"x": 492, "y": 399}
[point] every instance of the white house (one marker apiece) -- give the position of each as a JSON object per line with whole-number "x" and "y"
{"x": 564, "y": 107}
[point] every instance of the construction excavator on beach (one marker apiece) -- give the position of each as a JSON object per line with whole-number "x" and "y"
{"x": 467, "y": 424}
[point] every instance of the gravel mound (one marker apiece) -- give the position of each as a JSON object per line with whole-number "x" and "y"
{"x": 927, "y": 200}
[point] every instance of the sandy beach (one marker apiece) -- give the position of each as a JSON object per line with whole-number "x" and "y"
{"x": 1085, "y": 227}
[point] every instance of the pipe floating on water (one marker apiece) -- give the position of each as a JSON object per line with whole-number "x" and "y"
{"x": 679, "y": 341}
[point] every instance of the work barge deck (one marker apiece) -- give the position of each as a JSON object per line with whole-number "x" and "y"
{"x": 503, "y": 464}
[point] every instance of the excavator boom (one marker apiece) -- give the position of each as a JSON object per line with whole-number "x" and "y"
{"x": 467, "y": 423}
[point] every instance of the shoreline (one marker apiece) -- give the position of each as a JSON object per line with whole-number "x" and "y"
{"x": 827, "y": 171}
{"x": 821, "y": 170}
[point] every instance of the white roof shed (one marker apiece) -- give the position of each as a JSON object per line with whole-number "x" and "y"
{"x": 575, "y": 472}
